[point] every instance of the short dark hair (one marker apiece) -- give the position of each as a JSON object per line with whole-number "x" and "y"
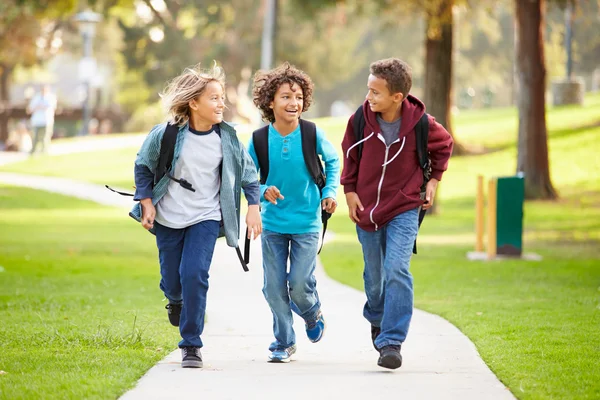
{"x": 396, "y": 73}
{"x": 266, "y": 84}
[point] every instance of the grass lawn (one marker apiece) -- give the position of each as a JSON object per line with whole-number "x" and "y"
{"x": 536, "y": 324}
{"x": 80, "y": 308}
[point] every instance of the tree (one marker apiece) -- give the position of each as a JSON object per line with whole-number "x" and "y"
{"x": 532, "y": 157}
{"x": 160, "y": 41}
{"x": 439, "y": 62}
{"x": 438, "y": 48}
{"x": 27, "y": 35}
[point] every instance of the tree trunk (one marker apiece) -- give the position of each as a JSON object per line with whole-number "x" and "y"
{"x": 5, "y": 72}
{"x": 532, "y": 158}
{"x": 438, "y": 66}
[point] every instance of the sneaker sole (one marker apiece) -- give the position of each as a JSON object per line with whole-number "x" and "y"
{"x": 279, "y": 360}
{"x": 191, "y": 364}
{"x": 390, "y": 362}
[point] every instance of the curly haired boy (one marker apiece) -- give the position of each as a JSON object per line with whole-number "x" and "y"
{"x": 291, "y": 205}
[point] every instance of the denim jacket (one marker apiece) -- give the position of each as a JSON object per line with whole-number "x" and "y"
{"x": 238, "y": 172}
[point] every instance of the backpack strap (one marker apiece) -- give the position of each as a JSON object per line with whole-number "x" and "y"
{"x": 242, "y": 259}
{"x": 167, "y": 149}
{"x": 314, "y": 165}
{"x": 422, "y": 132}
{"x": 260, "y": 140}
{"x": 358, "y": 125}
{"x": 121, "y": 193}
{"x": 308, "y": 130}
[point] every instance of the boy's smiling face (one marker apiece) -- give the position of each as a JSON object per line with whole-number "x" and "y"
{"x": 209, "y": 106}
{"x": 287, "y": 103}
{"x": 380, "y": 99}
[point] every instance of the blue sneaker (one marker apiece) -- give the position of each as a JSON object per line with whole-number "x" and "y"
{"x": 315, "y": 329}
{"x": 282, "y": 355}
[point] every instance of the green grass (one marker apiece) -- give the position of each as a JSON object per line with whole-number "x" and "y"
{"x": 80, "y": 307}
{"x": 536, "y": 324}
{"x": 114, "y": 167}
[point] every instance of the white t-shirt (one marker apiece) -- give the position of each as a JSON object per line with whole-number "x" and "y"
{"x": 199, "y": 163}
{"x": 43, "y": 108}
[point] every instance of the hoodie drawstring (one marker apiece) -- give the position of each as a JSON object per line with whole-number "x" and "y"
{"x": 357, "y": 143}
{"x": 398, "y": 153}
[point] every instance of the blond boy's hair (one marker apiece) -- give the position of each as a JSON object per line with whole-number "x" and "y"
{"x": 188, "y": 86}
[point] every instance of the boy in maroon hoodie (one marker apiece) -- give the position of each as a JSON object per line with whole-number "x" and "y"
{"x": 382, "y": 188}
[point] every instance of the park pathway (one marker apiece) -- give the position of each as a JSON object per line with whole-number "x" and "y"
{"x": 439, "y": 361}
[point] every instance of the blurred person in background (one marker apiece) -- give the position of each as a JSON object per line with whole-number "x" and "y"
{"x": 42, "y": 108}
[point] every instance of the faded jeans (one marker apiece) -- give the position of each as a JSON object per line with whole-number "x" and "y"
{"x": 387, "y": 279}
{"x": 294, "y": 291}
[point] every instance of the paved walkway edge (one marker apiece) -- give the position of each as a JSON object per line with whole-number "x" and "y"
{"x": 439, "y": 361}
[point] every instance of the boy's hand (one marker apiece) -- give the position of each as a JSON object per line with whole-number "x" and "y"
{"x": 329, "y": 205}
{"x": 430, "y": 189}
{"x": 272, "y": 194}
{"x": 354, "y": 205}
{"x": 148, "y": 213}
{"x": 253, "y": 222}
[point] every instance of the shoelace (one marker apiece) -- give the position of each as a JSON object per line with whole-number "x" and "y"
{"x": 313, "y": 324}
{"x": 170, "y": 307}
{"x": 190, "y": 351}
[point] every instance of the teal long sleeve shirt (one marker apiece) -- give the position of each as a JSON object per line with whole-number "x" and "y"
{"x": 300, "y": 210}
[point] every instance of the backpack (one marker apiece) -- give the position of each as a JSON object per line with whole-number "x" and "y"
{"x": 422, "y": 132}
{"x": 308, "y": 130}
{"x": 163, "y": 167}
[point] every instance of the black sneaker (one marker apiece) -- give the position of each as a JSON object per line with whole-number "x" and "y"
{"x": 174, "y": 311}
{"x": 375, "y": 331}
{"x": 390, "y": 357}
{"x": 191, "y": 357}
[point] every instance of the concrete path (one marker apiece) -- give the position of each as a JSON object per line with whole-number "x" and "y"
{"x": 439, "y": 361}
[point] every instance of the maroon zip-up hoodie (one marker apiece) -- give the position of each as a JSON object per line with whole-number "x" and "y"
{"x": 388, "y": 179}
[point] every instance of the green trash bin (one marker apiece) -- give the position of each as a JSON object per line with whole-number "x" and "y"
{"x": 510, "y": 194}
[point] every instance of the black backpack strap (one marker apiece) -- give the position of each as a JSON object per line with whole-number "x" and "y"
{"x": 241, "y": 258}
{"x": 167, "y": 149}
{"x": 116, "y": 191}
{"x": 358, "y": 124}
{"x": 260, "y": 140}
{"x": 308, "y": 130}
{"x": 247, "y": 248}
{"x": 324, "y": 218}
{"x": 314, "y": 165}
{"x": 422, "y": 132}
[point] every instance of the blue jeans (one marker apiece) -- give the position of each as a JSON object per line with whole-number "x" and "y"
{"x": 388, "y": 282}
{"x": 294, "y": 291}
{"x": 185, "y": 256}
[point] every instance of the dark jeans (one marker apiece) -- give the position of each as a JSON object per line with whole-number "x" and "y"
{"x": 185, "y": 256}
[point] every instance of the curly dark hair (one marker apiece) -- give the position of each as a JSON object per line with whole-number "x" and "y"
{"x": 396, "y": 73}
{"x": 266, "y": 84}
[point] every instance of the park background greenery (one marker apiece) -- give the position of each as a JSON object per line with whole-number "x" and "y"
{"x": 80, "y": 303}
{"x": 78, "y": 281}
